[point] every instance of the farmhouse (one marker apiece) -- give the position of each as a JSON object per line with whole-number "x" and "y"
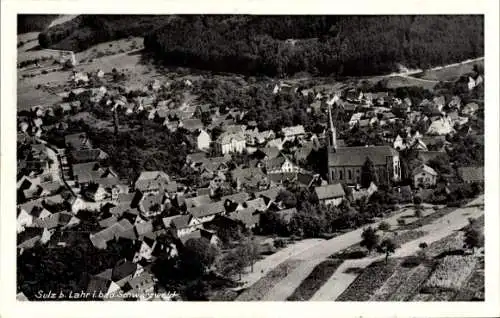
{"x": 331, "y": 194}
{"x": 424, "y": 176}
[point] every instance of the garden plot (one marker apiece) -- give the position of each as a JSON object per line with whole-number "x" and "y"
{"x": 258, "y": 290}
{"x": 399, "y": 276}
{"x": 451, "y": 273}
{"x": 410, "y": 287}
{"x": 320, "y": 274}
{"x": 473, "y": 289}
{"x": 372, "y": 278}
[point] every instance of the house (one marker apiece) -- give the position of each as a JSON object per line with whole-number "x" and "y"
{"x": 116, "y": 230}
{"x": 191, "y": 125}
{"x": 229, "y": 142}
{"x": 101, "y": 286}
{"x": 152, "y": 205}
{"x": 277, "y": 143}
{"x": 30, "y": 236}
{"x": 203, "y": 109}
{"x": 455, "y": 103}
{"x": 307, "y": 179}
{"x": 302, "y": 153}
{"x": 290, "y": 133}
{"x": 282, "y": 178}
{"x": 249, "y": 178}
{"x": 88, "y": 172}
{"x": 441, "y": 126}
{"x": 145, "y": 250}
{"x": 152, "y": 182}
{"x": 269, "y": 195}
{"x": 24, "y": 219}
{"x": 424, "y": 176}
{"x": 471, "y": 174}
{"x": 266, "y": 153}
{"x": 280, "y": 164}
{"x": 205, "y": 213}
{"x": 210, "y": 236}
{"x": 95, "y": 192}
{"x": 77, "y": 141}
{"x": 470, "y": 109}
{"x": 140, "y": 287}
{"x": 250, "y": 217}
{"x": 59, "y": 219}
{"x": 287, "y": 214}
{"x": 182, "y": 224}
{"x": 331, "y": 194}
{"x": 426, "y": 156}
{"x": 203, "y": 140}
{"x": 87, "y": 155}
{"x": 399, "y": 143}
{"x": 197, "y": 201}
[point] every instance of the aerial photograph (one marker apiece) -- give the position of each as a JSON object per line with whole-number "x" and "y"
{"x": 250, "y": 157}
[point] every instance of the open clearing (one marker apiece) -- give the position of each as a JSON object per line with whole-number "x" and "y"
{"x": 451, "y": 73}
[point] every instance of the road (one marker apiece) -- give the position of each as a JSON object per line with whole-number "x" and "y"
{"x": 437, "y": 230}
{"x": 314, "y": 252}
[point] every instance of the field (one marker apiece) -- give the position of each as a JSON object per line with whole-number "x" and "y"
{"x": 451, "y": 73}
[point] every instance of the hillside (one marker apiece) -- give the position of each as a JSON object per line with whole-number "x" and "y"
{"x": 33, "y": 22}
{"x": 285, "y": 45}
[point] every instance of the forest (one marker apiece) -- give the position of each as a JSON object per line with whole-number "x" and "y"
{"x": 285, "y": 45}
{"x": 33, "y": 22}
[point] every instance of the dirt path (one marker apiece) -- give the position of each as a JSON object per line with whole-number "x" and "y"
{"x": 439, "y": 229}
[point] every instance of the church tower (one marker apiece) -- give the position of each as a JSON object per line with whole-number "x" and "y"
{"x": 332, "y": 144}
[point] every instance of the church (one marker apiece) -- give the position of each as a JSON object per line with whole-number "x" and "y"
{"x": 344, "y": 163}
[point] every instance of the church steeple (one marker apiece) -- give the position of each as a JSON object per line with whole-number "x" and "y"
{"x": 333, "y": 140}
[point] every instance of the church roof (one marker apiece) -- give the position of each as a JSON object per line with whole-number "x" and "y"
{"x": 356, "y": 156}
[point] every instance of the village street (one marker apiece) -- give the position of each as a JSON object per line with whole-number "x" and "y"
{"x": 319, "y": 251}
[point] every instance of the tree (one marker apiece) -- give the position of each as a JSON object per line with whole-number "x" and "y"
{"x": 368, "y": 174}
{"x": 370, "y": 238}
{"x": 239, "y": 258}
{"x": 287, "y": 198}
{"x": 388, "y": 246}
{"x": 418, "y": 211}
{"x": 384, "y": 226}
{"x": 198, "y": 255}
{"x": 473, "y": 236}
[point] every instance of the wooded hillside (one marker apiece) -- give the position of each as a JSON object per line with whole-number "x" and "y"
{"x": 285, "y": 45}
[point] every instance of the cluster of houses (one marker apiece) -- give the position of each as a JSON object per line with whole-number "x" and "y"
{"x": 137, "y": 214}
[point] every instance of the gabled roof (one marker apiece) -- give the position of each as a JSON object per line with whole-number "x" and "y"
{"x": 86, "y": 155}
{"x": 151, "y": 200}
{"x": 287, "y": 214}
{"x": 426, "y": 156}
{"x": 239, "y": 197}
{"x": 248, "y": 216}
{"x": 123, "y": 269}
{"x": 198, "y": 200}
{"x": 270, "y": 193}
{"x": 257, "y": 204}
{"x": 293, "y": 131}
{"x": 330, "y": 191}
{"x": 144, "y": 228}
{"x": 192, "y": 124}
{"x": 471, "y": 174}
{"x": 77, "y": 141}
{"x": 55, "y": 220}
{"x": 270, "y": 152}
{"x": 151, "y": 179}
{"x": 426, "y": 169}
{"x": 98, "y": 285}
{"x": 177, "y": 221}
{"x": 356, "y": 156}
{"x": 207, "y": 209}
{"x": 197, "y": 234}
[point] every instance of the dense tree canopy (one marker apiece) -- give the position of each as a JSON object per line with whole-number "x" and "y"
{"x": 285, "y": 45}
